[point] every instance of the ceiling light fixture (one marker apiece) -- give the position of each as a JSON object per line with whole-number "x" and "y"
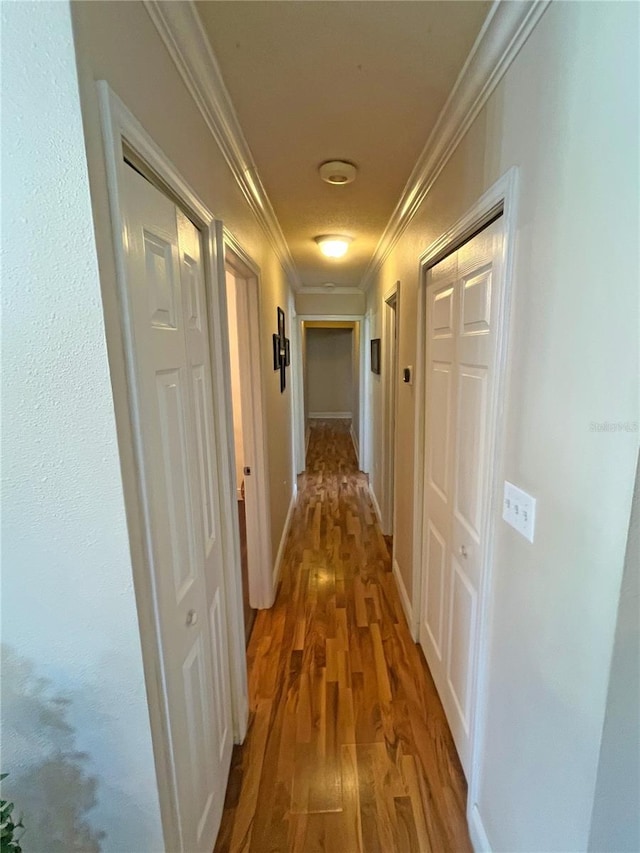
{"x": 337, "y": 172}
{"x": 333, "y": 245}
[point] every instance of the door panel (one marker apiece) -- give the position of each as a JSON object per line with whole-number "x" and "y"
{"x": 461, "y": 305}
{"x": 440, "y": 426}
{"x": 220, "y": 679}
{"x": 171, "y": 409}
{"x": 461, "y": 624}
{"x": 476, "y": 304}
{"x": 436, "y": 559}
{"x": 172, "y": 399}
{"x": 470, "y": 447}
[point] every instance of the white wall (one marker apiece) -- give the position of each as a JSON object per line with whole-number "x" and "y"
{"x": 68, "y": 608}
{"x": 329, "y": 372}
{"x": 566, "y": 114}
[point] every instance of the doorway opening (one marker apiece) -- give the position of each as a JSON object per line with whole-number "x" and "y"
{"x": 331, "y": 373}
{"x": 251, "y": 481}
{"x": 171, "y": 403}
{"x": 463, "y": 331}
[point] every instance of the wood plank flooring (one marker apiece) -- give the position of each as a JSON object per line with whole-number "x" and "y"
{"x": 348, "y": 746}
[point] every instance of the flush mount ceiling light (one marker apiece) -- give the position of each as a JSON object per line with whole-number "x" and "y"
{"x": 337, "y": 172}
{"x": 333, "y": 245}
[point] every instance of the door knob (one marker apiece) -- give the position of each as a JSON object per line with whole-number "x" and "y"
{"x": 463, "y": 551}
{"x": 192, "y": 618}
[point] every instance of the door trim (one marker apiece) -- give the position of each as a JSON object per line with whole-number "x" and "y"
{"x": 391, "y": 316}
{"x": 300, "y": 426}
{"x": 502, "y": 198}
{"x": 235, "y": 259}
{"x": 122, "y": 132}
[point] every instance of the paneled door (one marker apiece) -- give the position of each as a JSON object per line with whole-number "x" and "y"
{"x": 462, "y": 306}
{"x": 172, "y": 401}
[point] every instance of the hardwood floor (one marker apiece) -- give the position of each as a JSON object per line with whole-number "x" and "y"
{"x": 348, "y": 746}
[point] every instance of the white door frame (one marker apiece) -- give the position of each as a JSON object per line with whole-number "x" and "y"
{"x": 501, "y": 196}
{"x": 299, "y": 424}
{"x": 365, "y": 397}
{"x": 122, "y": 132}
{"x": 261, "y": 589}
{"x": 297, "y": 396}
{"x": 390, "y": 317}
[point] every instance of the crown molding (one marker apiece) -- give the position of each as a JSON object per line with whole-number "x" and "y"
{"x": 507, "y": 27}
{"x": 182, "y": 32}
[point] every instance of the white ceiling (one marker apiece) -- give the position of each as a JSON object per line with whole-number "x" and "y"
{"x": 362, "y": 81}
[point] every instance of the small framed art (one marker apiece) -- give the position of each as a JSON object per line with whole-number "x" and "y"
{"x": 375, "y": 355}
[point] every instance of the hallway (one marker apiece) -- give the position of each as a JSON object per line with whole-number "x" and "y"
{"x": 348, "y": 748}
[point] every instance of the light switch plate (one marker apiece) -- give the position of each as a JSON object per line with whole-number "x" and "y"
{"x": 519, "y": 510}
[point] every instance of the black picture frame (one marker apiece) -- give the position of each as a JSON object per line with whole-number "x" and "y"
{"x": 281, "y": 323}
{"x": 276, "y": 352}
{"x": 375, "y": 355}
{"x": 287, "y": 352}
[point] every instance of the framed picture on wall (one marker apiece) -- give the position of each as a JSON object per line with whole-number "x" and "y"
{"x": 276, "y": 352}
{"x": 375, "y": 355}
{"x": 287, "y": 352}
{"x": 281, "y": 323}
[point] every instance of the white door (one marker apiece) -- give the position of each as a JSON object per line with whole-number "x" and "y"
{"x": 462, "y": 307}
{"x": 172, "y": 399}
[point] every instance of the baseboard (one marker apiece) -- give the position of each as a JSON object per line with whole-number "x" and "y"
{"x": 477, "y": 832}
{"x": 323, "y": 416}
{"x": 283, "y": 539}
{"x": 376, "y": 506}
{"x": 404, "y": 598}
{"x": 354, "y": 439}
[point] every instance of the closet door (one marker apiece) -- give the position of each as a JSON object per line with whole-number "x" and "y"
{"x": 462, "y": 302}
{"x": 172, "y": 399}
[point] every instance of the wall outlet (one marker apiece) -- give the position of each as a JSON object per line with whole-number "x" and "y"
{"x": 519, "y": 510}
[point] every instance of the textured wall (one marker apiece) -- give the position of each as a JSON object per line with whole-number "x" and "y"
{"x": 566, "y": 114}
{"x": 68, "y": 608}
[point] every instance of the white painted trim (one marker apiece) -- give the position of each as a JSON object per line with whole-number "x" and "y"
{"x": 506, "y": 29}
{"x": 257, "y": 499}
{"x": 297, "y": 398}
{"x": 277, "y": 569}
{"x": 365, "y": 394}
{"x": 119, "y": 126}
{"x": 376, "y": 505}
{"x": 322, "y": 416}
{"x": 354, "y": 441}
{"x": 404, "y": 595}
{"x": 477, "y": 832}
{"x": 391, "y": 312}
{"x": 184, "y": 36}
{"x": 504, "y": 193}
